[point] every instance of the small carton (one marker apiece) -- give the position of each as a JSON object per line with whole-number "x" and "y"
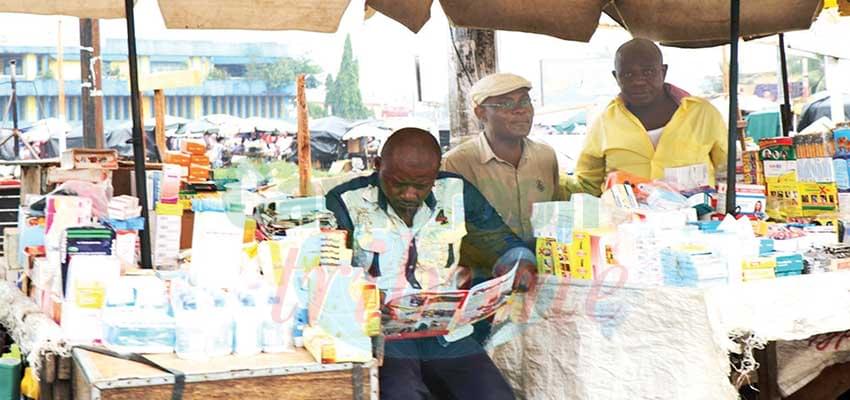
{"x": 89, "y": 159}
{"x": 195, "y": 147}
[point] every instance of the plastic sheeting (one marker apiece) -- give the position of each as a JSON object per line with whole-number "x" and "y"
{"x": 591, "y": 342}
{"x": 612, "y": 342}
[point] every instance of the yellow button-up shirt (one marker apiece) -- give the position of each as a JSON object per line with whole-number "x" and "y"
{"x": 618, "y": 141}
{"x": 511, "y": 190}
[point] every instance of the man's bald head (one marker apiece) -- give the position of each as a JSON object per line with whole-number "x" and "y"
{"x": 640, "y": 72}
{"x": 638, "y": 48}
{"x": 412, "y": 146}
{"x": 407, "y": 169}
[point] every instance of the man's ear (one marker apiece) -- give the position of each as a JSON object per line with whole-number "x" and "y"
{"x": 664, "y": 71}
{"x": 376, "y": 163}
{"x": 480, "y": 113}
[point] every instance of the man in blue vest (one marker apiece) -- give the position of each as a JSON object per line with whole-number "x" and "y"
{"x": 406, "y": 223}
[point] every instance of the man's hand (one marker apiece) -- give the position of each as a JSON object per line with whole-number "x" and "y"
{"x": 526, "y": 274}
{"x": 462, "y": 277}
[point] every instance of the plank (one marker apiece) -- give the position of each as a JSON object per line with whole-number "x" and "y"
{"x": 101, "y": 367}
{"x": 314, "y": 386}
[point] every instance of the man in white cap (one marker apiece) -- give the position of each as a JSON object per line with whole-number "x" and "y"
{"x": 511, "y": 171}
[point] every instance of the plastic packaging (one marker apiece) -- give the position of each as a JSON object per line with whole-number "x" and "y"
{"x": 204, "y": 323}
{"x": 137, "y": 318}
{"x": 248, "y": 321}
{"x": 277, "y": 330}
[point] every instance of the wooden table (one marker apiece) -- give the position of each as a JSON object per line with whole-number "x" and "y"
{"x": 294, "y": 375}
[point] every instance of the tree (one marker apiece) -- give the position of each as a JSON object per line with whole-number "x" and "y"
{"x": 283, "y": 72}
{"x": 218, "y": 74}
{"x": 316, "y": 110}
{"x": 343, "y": 94}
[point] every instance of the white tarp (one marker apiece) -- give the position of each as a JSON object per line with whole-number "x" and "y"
{"x": 612, "y": 342}
{"x": 615, "y": 343}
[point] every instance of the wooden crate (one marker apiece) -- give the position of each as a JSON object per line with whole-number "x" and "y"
{"x": 291, "y": 376}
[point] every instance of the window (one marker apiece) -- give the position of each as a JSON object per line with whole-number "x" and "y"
{"x": 161, "y": 66}
{"x": 7, "y": 68}
{"x": 233, "y": 70}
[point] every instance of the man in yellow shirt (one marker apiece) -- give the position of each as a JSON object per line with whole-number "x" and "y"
{"x": 650, "y": 126}
{"x": 511, "y": 171}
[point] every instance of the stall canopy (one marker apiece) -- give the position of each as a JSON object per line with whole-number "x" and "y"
{"x": 680, "y": 23}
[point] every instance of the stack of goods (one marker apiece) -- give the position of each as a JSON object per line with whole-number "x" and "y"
{"x": 753, "y": 168}
{"x": 137, "y": 316}
{"x": 841, "y": 165}
{"x": 276, "y": 218}
{"x": 759, "y": 268}
{"x": 125, "y": 219}
{"x": 564, "y": 232}
{"x": 692, "y": 266}
{"x": 816, "y": 173}
{"x": 828, "y": 258}
{"x": 780, "y": 172}
{"x": 788, "y": 264}
{"x": 199, "y": 163}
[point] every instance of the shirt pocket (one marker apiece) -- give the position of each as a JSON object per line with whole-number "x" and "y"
{"x": 682, "y": 152}
{"x": 621, "y": 159}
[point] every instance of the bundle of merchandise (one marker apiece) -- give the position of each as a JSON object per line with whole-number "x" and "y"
{"x": 804, "y": 174}
{"x": 192, "y": 160}
{"x": 332, "y": 310}
{"x": 828, "y": 258}
{"x": 274, "y": 219}
{"x": 125, "y": 219}
{"x": 563, "y": 230}
{"x": 693, "y": 266}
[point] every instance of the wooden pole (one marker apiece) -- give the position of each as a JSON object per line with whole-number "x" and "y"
{"x": 90, "y": 75}
{"x": 304, "y": 163}
{"x": 60, "y": 83}
{"x": 473, "y": 55}
{"x": 159, "y": 111}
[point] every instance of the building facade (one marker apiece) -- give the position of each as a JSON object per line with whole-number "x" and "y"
{"x": 226, "y": 88}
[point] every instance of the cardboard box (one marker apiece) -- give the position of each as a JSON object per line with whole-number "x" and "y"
{"x": 177, "y": 157}
{"x": 192, "y": 146}
{"x": 89, "y": 159}
{"x": 777, "y": 149}
{"x": 201, "y": 159}
{"x": 199, "y": 173}
{"x": 818, "y": 198}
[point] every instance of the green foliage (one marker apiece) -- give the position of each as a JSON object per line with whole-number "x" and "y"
{"x": 817, "y": 81}
{"x": 46, "y": 74}
{"x": 283, "y": 72}
{"x": 218, "y": 74}
{"x": 316, "y": 110}
{"x": 343, "y": 94}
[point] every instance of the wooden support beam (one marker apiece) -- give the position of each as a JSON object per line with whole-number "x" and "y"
{"x": 304, "y": 164}
{"x": 159, "y": 111}
{"x": 767, "y": 372}
{"x": 90, "y": 73}
{"x": 473, "y": 56}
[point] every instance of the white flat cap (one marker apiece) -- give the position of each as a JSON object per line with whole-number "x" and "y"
{"x": 496, "y": 85}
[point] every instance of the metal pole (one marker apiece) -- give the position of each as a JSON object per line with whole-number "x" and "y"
{"x": 138, "y": 137}
{"x": 15, "y": 108}
{"x": 785, "y": 108}
{"x": 734, "y": 33}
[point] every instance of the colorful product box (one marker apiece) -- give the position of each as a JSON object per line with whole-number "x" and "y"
{"x": 816, "y": 170}
{"x": 818, "y": 198}
{"x": 841, "y": 136}
{"x": 777, "y": 149}
{"x": 195, "y": 147}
